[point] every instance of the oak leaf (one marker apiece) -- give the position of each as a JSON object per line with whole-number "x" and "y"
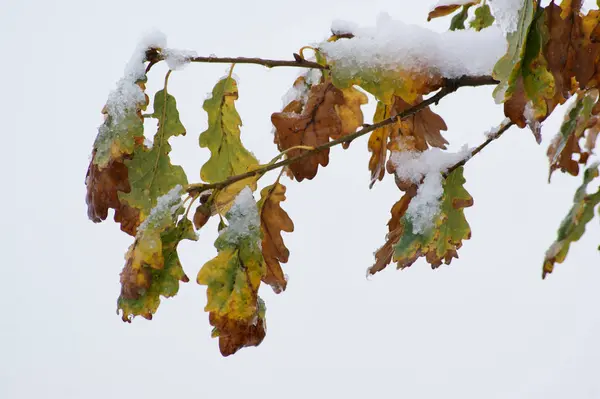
{"x": 151, "y": 173}
{"x": 228, "y": 157}
{"x": 384, "y": 255}
{"x": 103, "y": 187}
{"x": 107, "y": 174}
{"x": 566, "y": 143}
{"x": 531, "y": 93}
{"x": 233, "y": 278}
{"x": 438, "y": 244}
{"x": 274, "y": 220}
{"x": 508, "y": 69}
{"x": 573, "y": 226}
{"x": 310, "y": 125}
{"x": 152, "y": 267}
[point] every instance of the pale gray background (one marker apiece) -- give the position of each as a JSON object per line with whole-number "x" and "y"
{"x": 486, "y": 327}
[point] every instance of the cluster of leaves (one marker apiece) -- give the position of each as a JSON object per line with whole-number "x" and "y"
{"x": 552, "y": 56}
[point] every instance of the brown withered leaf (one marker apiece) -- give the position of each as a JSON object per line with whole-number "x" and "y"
{"x": 236, "y": 334}
{"x": 378, "y": 141}
{"x": 514, "y": 107}
{"x": 564, "y": 158}
{"x": 578, "y": 121}
{"x": 384, "y": 255}
{"x": 560, "y": 50}
{"x": 586, "y": 66}
{"x": 103, "y": 186}
{"x": 544, "y": 78}
{"x": 311, "y": 125}
{"x": 425, "y": 125}
{"x": 274, "y": 220}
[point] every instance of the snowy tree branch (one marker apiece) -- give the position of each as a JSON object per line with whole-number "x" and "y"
{"x": 154, "y": 56}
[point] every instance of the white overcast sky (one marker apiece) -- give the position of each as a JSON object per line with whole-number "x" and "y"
{"x": 485, "y": 327}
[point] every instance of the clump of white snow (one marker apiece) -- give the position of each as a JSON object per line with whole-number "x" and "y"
{"x": 166, "y": 206}
{"x": 506, "y": 13}
{"x": 493, "y": 132}
{"x": 177, "y": 59}
{"x": 427, "y": 166}
{"x": 243, "y": 219}
{"x": 340, "y": 26}
{"x": 127, "y": 96}
{"x": 529, "y": 112}
{"x": 393, "y": 45}
{"x": 299, "y": 91}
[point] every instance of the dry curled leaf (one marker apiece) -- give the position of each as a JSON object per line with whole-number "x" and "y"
{"x": 566, "y": 144}
{"x": 103, "y": 187}
{"x": 313, "y": 126}
{"x": 236, "y": 334}
{"x": 384, "y": 255}
{"x": 274, "y": 220}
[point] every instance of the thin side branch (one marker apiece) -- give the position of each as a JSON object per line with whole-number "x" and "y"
{"x": 298, "y": 62}
{"x": 478, "y": 149}
{"x": 450, "y": 86}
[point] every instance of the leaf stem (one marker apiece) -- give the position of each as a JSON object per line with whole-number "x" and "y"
{"x": 450, "y": 86}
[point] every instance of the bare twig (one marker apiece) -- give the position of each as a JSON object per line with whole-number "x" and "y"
{"x": 298, "y": 62}
{"x": 503, "y": 128}
{"x": 450, "y": 85}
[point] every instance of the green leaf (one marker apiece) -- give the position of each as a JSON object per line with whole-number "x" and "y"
{"x": 483, "y": 18}
{"x": 151, "y": 173}
{"x": 441, "y": 242}
{"x": 229, "y": 157}
{"x": 508, "y": 68}
{"x": 152, "y": 265}
{"x": 538, "y": 81}
{"x": 572, "y": 227}
{"x": 458, "y": 21}
{"x": 233, "y": 278}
